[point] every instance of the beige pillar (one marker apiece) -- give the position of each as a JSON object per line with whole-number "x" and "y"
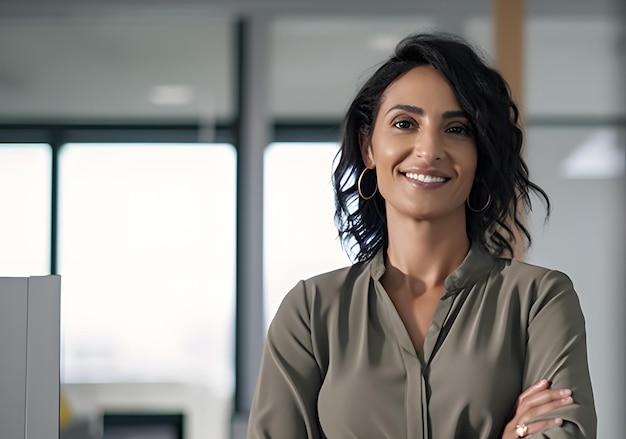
{"x": 509, "y": 38}
{"x": 508, "y": 16}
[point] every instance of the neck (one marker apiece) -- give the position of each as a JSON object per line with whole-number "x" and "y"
{"x": 426, "y": 252}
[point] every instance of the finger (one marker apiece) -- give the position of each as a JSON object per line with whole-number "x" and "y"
{"x": 535, "y": 388}
{"x": 532, "y": 390}
{"x": 539, "y": 426}
{"x": 544, "y": 397}
{"x": 536, "y": 411}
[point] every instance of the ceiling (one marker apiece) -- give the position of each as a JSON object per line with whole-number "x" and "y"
{"x": 150, "y": 61}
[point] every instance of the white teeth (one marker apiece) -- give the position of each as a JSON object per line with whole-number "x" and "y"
{"x": 425, "y": 178}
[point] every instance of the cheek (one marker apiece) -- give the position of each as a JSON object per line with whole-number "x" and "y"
{"x": 469, "y": 160}
{"x": 388, "y": 153}
{"x": 387, "y": 160}
{"x": 466, "y": 164}
{"x": 471, "y": 171}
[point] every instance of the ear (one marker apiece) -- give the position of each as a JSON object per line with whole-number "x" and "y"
{"x": 366, "y": 148}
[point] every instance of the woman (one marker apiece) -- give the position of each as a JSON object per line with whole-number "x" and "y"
{"x": 432, "y": 333}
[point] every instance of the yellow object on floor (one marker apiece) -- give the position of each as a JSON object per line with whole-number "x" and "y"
{"x": 65, "y": 414}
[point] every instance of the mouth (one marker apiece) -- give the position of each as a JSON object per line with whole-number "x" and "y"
{"x": 425, "y": 178}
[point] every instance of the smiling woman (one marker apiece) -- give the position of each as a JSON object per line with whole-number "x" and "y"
{"x": 433, "y": 332}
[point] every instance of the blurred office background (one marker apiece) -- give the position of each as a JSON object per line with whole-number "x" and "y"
{"x": 172, "y": 160}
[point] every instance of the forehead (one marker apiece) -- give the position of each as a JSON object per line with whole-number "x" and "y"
{"x": 422, "y": 86}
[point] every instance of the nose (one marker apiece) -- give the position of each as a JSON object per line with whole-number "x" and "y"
{"x": 428, "y": 146}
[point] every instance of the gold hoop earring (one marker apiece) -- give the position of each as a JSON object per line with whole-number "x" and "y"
{"x": 358, "y": 185}
{"x": 486, "y": 204}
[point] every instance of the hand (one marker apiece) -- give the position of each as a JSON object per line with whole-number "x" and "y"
{"x": 537, "y": 400}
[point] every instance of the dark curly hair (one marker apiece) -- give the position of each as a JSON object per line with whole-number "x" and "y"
{"x": 501, "y": 173}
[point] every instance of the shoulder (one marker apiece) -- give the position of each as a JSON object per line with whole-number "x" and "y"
{"x": 337, "y": 280}
{"x": 533, "y": 276}
{"x": 322, "y": 289}
{"x": 539, "y": 287}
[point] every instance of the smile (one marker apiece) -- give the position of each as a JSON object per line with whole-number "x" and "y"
{"x": 426, "y": 178}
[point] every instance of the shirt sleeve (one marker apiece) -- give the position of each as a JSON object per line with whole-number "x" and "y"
{"x": 557, "y": 351}
{"x": 285, "y": 398}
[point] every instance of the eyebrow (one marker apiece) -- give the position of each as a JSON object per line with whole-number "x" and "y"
{"x": 420, "y": 111}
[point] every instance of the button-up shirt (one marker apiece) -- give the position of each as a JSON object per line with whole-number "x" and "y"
{"x": 338, "y": 362}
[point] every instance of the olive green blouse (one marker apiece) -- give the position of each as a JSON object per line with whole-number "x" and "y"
{"x": 338, "y": 362}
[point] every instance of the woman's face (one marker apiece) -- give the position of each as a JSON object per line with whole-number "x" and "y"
{"x": 422, "y": 148}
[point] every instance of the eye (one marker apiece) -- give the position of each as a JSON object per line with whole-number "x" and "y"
{"x": 460, "y": 129}
{"x": 403, "y": 124}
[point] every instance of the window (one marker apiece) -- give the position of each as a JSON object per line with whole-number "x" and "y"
{"x": 25, "y": 182}
{"x": 146, "y": 253}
